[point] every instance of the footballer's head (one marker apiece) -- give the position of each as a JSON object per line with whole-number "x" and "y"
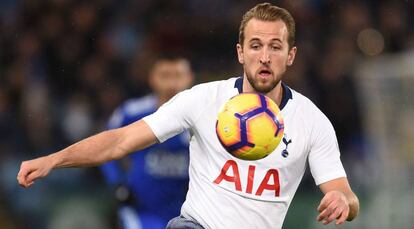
{"x": 266, "y": 45}
{"x": 169, "y": 75}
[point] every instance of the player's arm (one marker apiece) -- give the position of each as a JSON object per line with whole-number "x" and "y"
{"x": 339, "y": 202}
{"x": 95, "y": 150}
{"x": 113, "y": 171}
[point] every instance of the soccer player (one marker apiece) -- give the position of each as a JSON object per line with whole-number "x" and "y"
{"x": 151, "y": 184}
{"x": 218, "y": 194}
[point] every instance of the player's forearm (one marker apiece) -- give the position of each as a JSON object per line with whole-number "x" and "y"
{"x": 95, "y": 150}
{"x": 91, "y": 151}
{"x": 353, "y": 206}
{"x": 105, "y": 146}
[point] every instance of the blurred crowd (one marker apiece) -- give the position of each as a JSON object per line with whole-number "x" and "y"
{"x": 66, "y": 64}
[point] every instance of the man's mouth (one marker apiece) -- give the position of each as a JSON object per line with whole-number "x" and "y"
{"x": 265, "y": 73}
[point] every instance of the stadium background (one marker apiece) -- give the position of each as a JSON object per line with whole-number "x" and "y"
{"x": 66, "y": 64}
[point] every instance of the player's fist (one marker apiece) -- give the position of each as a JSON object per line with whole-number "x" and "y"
{"x": 334, "y": 205}
{"x": 32, "y": 170}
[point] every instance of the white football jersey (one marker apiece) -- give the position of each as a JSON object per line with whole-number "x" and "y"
{"x": 227, "y": 192}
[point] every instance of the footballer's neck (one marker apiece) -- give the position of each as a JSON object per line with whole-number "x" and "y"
{"x": 275, "y": 94}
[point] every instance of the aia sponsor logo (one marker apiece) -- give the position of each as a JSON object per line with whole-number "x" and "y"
{"x": 230, "y": 174}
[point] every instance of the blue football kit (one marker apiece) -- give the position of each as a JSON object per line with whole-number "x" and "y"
{"x": 156, "y": 177}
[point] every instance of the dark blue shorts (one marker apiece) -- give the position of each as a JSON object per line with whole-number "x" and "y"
{"x": 180, "y": 222}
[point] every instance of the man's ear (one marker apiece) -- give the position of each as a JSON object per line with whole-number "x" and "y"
{"x": 291, "y": 56}
{"x": 240, "y": 53}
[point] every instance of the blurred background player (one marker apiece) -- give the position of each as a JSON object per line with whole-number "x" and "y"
{"x": 151, "y": 185}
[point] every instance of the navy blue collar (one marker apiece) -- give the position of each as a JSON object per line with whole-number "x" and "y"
{"x": 286, "y": 94}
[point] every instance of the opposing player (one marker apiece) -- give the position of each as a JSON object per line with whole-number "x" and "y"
{"x": 151, "y": 184}
{"x": 226, "y": 192}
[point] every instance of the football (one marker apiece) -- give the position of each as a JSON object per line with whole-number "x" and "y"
{"x": 250, "y": 126}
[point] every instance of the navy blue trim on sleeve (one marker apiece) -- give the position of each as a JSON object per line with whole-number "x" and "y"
{"x": 239, "y": 84}
{"x": 287, "y": 94}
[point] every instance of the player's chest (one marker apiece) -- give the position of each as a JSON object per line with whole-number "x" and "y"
{"x": 259, "y": 179}
{"x": 293, "y": 146}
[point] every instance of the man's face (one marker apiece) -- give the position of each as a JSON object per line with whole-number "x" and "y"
{"x": 168, "y": 77}
{"x": 265, "y": 53}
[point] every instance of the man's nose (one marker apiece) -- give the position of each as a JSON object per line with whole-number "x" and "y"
{"x": 265, "y": 57}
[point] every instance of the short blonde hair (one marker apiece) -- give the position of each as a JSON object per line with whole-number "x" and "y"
{"x": 269, "y": 12}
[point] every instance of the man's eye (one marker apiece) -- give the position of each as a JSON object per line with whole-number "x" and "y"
{"x": 255, "y": 47}
{"x": 275, "y": 48}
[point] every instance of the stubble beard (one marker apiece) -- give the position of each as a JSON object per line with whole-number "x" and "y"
{"x": 260, "y": 87}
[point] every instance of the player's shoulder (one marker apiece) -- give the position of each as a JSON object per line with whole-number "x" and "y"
{"x": 213, "y": 90}
{"x": 308, "y": 109}
{"x": 306, "y": 106}
{"x": 215, "y": 85}
{"x": 304, "y": 103}
{"x": 202, "y": 95}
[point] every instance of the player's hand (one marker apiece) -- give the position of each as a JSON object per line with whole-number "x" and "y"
{"x": 32, "y": 170}
{"x": 334, "y": 205}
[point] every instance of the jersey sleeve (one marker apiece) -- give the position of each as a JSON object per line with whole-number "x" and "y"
{"x": 176, "y": 115}
{"x": 324, "y": 157}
